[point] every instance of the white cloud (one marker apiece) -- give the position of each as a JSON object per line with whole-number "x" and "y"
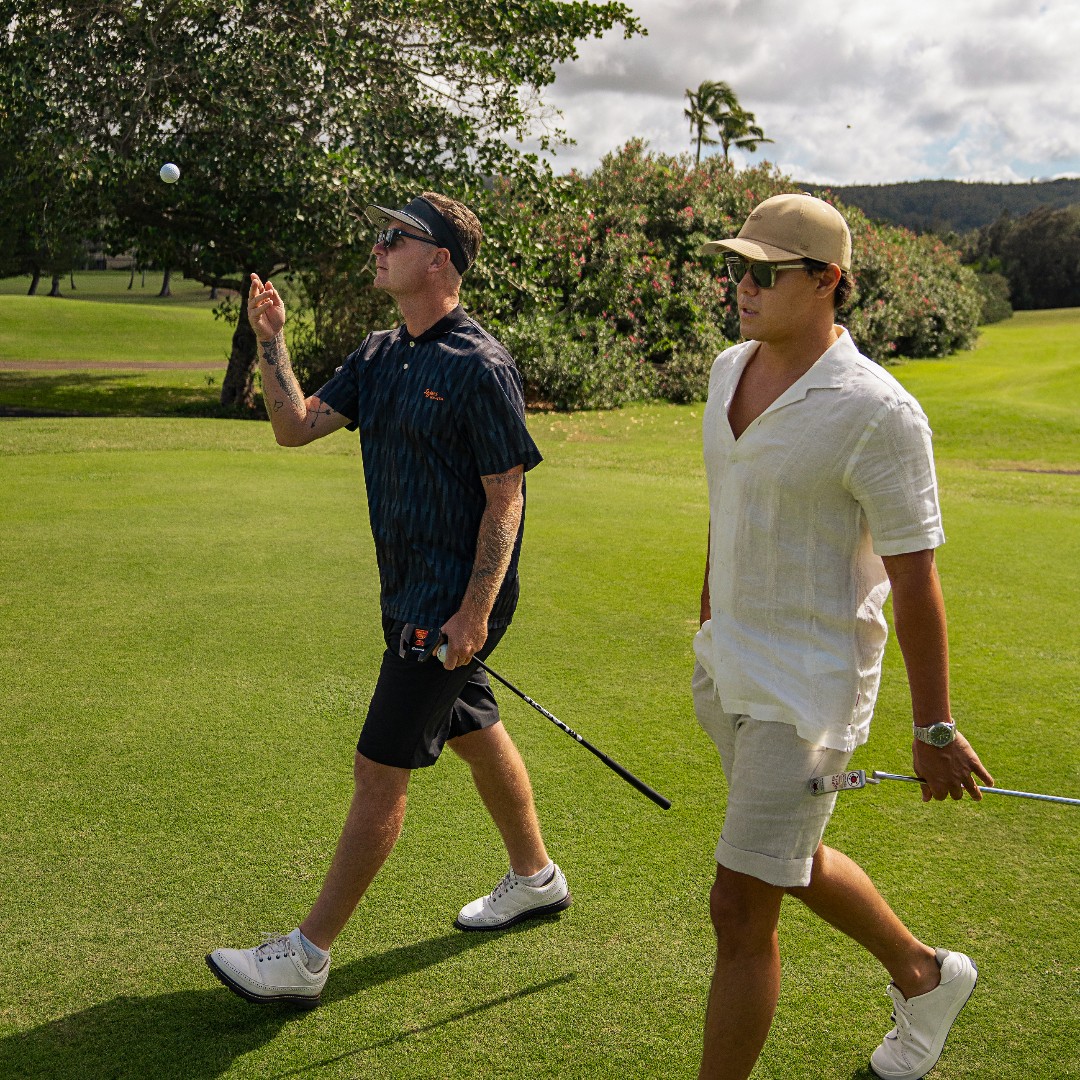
{"x": 850, "y": 93}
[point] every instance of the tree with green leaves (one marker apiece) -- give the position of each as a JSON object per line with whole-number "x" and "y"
{"x": 704, "y": 104}
{"x": 714, "y": 104}
{"x": 736, "y": 127}
{"x": 284, "y": 119}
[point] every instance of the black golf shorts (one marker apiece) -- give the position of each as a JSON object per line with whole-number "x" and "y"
{"x": 416, "y": 706}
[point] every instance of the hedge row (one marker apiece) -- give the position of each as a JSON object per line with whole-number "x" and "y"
{"x": 618, "y": 306}
{"x": 595, "y": 284}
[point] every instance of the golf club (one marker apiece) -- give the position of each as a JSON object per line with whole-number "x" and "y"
{"x": 854, "y": 779}
{"x": 629, "y": 777}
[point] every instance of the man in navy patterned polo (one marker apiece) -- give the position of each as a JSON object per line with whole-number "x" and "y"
{"x": 439, "y": 407}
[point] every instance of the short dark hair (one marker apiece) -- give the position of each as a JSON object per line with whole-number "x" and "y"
{"x": 844, "y": 287}
{"x": 462, "y": 220}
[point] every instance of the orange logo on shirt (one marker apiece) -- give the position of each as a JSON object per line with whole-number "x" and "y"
{"x": 433, "y": 396}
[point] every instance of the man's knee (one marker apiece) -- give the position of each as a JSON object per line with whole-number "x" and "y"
{"x": 377, "y": 782}
{"x": 745, "y": 911}
{"x": 482, "y": 744}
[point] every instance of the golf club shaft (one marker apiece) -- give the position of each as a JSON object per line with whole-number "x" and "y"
{"x": 986, "y": 790}
{"x": 628, "y": 776}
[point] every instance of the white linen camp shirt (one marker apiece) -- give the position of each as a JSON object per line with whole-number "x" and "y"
{"x": 837, "y": 472}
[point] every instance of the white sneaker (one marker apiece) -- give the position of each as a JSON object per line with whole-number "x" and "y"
{"x": 913, "y": 1047}
{"x": 512, "y": 900}
{"x": 273, "y": 971}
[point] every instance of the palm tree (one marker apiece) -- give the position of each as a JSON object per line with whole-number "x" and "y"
{"x": 736, "y": 127}
{"x": 716, "y": 103}
{"x": 709, "y": 100}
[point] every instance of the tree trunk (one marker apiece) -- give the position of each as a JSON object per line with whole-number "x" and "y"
{"x": 131, "y": 280}
{"x": 35, "y": 280}
{"x": 238, "y": 386}
{"x": 55, "y": 290}
{"x": 165, "y": 291}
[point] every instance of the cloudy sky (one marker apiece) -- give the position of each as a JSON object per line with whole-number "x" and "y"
{"x": 864, "y": 91}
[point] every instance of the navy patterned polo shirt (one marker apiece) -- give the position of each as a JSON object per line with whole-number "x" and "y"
{"x": 435, "y": 414}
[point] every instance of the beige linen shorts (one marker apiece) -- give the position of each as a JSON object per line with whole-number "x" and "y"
{"x": 773, "y": 824}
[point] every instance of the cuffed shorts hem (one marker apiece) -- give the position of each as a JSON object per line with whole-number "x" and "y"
{"x": 773, "y": 823}
{"x": 784, "y": 873}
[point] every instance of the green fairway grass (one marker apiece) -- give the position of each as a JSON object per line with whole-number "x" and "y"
{"x": 112, "y": 286}
{"x": 190, "y": 638}
{"x": 120, "y": 354}
{"x": 46, "y": 328}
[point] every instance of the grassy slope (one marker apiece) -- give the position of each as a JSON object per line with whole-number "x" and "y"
{"x": 189, "y": 644}
{"x": 45, "y": 328}
{"x": 111, "y": 287}
{"x": 97, "y": 338}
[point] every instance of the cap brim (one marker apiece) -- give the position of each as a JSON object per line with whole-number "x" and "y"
{"x": 383, "y": 215}
{"x": 748, "y": 249}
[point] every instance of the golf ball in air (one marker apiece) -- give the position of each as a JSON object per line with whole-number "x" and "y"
{"x": 169, "y": 173}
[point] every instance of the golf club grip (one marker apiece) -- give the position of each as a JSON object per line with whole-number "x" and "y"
{"x": 986, "y": 790}
{"x": 629, "y": 777}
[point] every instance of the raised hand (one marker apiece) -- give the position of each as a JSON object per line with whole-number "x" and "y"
{"x": 265, "y": 310}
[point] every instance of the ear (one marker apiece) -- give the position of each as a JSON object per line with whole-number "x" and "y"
{"x": 439, "y": 260}
{"x": 828, "y": 279}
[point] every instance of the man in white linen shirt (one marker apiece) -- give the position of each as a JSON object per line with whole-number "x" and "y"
{"x": 822, "y": 494}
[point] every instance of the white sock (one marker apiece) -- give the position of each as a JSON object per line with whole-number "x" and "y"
{"x": 314, "y": 957}
{"x": 540, "y": 878}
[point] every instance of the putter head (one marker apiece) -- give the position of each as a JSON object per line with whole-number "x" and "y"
{"x": 851, "y": 780}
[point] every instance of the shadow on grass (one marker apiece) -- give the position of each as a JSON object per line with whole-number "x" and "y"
{"x": 89, "y": 393}
{"x": 199, "y": 1034}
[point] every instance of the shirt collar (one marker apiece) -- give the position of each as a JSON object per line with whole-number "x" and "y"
{"x": 447, "y": 324}
{"x": 828, "y": 372}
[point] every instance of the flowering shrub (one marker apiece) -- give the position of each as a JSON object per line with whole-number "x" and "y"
{"x": 595, "y": 284}
{"x": 608, "y": 301}
{"x": 912, "y": 295}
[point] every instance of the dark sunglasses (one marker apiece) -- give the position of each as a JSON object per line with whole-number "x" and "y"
{"x": 763, "y": 273}
{"x": 387, "y": 237}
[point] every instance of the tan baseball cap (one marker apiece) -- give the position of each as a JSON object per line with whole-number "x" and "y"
{"x": 790, "y": 227}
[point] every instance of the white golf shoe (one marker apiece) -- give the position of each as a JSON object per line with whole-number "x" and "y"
{"x": 276, "y": 970}
{"x": 512, "y": 900}
{"x": 923, "y": 1023}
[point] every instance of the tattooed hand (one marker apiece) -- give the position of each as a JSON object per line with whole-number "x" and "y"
{"x": 265, "y": 310}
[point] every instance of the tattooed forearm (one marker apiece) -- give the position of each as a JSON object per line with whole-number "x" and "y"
{"x": 496, "y": 539}
{"x": 275, "y": 357}
{"x": 494, "y": 546}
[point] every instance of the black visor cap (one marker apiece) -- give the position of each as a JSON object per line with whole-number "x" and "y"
{"x": 428, "y": 219}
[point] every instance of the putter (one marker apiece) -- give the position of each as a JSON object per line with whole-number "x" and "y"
{"x": 854, "y": 779}
{"x": 439, "y": 650}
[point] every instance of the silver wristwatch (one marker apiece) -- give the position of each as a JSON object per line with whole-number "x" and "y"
{"x": 936, "y": 734}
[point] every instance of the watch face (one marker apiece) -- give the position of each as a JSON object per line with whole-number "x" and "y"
{"x": 941, "y": 734}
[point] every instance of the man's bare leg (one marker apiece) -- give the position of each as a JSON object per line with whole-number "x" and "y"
{"x": 371, "y": 829}
{"x": 503, "y": 782}
{"x": 746, "y": 982}
{"x": 841, "y": 893}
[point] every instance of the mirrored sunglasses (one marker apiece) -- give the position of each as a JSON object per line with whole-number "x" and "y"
{"x": 387, "y": 237}
{"x": 763, "y": 273}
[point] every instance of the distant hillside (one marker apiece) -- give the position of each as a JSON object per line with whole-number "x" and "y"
{"x": 943, "y": 205}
